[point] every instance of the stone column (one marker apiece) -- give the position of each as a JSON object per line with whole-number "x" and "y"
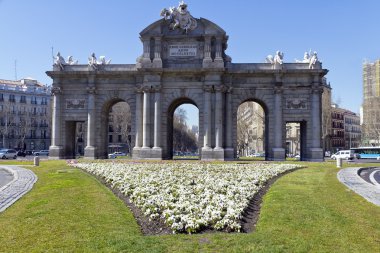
{"x": 146, "y": 62}
{"x": 229, "y": 150}
{"x": 278, "y": 149}
{"x": 157, "y": 119}
{"x": 218, "y": 53}
{"x": 157, "y": 61}
{"x": 146, "y": 118}
{"x": 207, "y": 119}
{"x": 55, "y": 150}
{"x": 207, "y": 52}
{"x": 316, "y": 151}
{"x": 219, "y": 117}
{"x": 138, "y": 135}
{"x": 91, "y": 128}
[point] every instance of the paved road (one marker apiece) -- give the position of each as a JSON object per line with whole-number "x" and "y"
{"x": 371, "y": 175}
{"x": 5, "y": 177}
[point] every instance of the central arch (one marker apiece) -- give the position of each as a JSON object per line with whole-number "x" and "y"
{"x": 253, "y": 114}
{"x": 111, "y": 138}
{"x": 170, "y": 121}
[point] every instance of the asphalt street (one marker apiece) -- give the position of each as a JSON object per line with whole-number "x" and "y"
{"x": 371, "y": 175}
{"x": 5, "y": 177}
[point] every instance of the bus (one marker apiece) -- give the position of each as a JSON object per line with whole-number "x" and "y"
{"x": 367, "y": 152}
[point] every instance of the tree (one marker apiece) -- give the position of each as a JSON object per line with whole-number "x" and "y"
{"x": 121, "y": 116}
{"x": 250, "y": 128}
{"x": 183, "y": 138}
{"x": 7, "y": 120}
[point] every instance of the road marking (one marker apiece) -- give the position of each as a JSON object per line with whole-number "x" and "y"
{"x": 372, "y": 178}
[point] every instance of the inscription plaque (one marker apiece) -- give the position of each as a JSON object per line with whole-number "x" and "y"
{"x": 183, "y": 50}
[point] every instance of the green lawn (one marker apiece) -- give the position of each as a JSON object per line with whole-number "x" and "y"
{"x": 305, "y": 211}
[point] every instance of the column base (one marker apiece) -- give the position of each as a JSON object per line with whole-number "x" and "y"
{"x": 278, "y": 154}
{"x": 229, "y": 154}
{"x": 56, "y": 152}
{"x": 209, "y": 154}
{"x": 147, "y": 153}
{"x": 90, "y": 152}
{"x": 315, "y": 155}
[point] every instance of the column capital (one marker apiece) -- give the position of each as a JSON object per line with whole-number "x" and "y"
{"x": 277, "y": 90}
{"x": 221, "y": 88}
{"x": 56, "y": 91}
{"x": 208, "y": 88}
{"x": 91, "y": 90}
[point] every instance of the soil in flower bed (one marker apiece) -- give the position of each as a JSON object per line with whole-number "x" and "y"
{"x": 158, "y": 227}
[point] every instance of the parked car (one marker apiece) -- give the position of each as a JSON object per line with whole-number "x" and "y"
{"x": 8, "y": 153}
{"x": 344, "y": 154}
{"x": 116, "y": 154}
{"x": 29, "y": 152}
{"x": 21, "y": 153}
{"x": 41, "y": 152}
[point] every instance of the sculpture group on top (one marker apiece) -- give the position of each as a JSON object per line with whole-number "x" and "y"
{"x": 61, "y": 63}
{"x": 179, "y": 17}
{"x": 311, "y": 58}
{"x": 277, "y": 59}
{"x": 94, "y": 63}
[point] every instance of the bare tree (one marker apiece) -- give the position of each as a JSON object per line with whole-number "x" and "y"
{"x": 121, "y": 114}
{"x": 183, "y": 138}
{"x": 250, "y": 127}
{"x": 7, "y": 120}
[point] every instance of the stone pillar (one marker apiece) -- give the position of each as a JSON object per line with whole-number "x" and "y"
{"x": 157, "y": 119}
{"x": 146, "y": 62}
{"x": 146, "y": 119}
{"x": 218, "y": 62}
{"x": 278, "y": 149}
{"x": 157, "y": 61}
{"x": 316, "y": 151}
{"x": 207, "y": 119}
{"x": 229, "y": 150}
{"x": 138, "y": 126}
{"x": 55, "y": 150}
{"x": 219, "y": 150}
{"x": 207, "y": 52}
{"x": 90, "y": 149}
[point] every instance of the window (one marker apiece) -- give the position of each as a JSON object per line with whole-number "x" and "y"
{"x": 119, "y": 138}
{"x": 110, "y": 138}
{"x": 1, "y": 97}
{"x": 23, "y": 99}
{"x": 33, "y": 100}
{"x": 12, "y": 98}
{"x": 44, "y": 101}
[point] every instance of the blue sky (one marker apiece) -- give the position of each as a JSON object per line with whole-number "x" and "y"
{"x": 344, "y": 33}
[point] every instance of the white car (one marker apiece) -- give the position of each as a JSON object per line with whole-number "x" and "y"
{"x": 344, "y": 154}
{"x": 116, "y": 154}
{"x": 41, "y": 152}
{"x": 8, "y": 153}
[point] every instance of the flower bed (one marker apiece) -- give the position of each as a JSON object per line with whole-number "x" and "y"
{"x": 189, "y": 196}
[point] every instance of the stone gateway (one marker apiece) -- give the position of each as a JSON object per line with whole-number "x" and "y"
{"x": 184, "y": 61}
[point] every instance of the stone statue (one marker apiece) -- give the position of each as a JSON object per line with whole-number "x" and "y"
{"x": 59, "y": 61}
{"x": 94, "y": 63}
{"x": 70, "y": 61}
{"x": 276, "y": 60}
{"x": 179, "y": 17}
{"x": 313, "y": 60}
{"x": 306, "y": 58}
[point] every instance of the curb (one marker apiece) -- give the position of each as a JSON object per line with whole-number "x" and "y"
{"x": 350, "y": 177}
{"x": 22, "y": 183}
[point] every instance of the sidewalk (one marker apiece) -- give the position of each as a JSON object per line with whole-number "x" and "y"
{"x": 23, "y": 181}
{"x": 352, "y": 180}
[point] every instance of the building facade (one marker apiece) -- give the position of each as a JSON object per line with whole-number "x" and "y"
{"x": 25, "y": 114}
{"x": 250, "y": 129}
{"x": 346, "y": 129}
{"x": 184, "y": 61}
{"x": 371, "y": 103}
